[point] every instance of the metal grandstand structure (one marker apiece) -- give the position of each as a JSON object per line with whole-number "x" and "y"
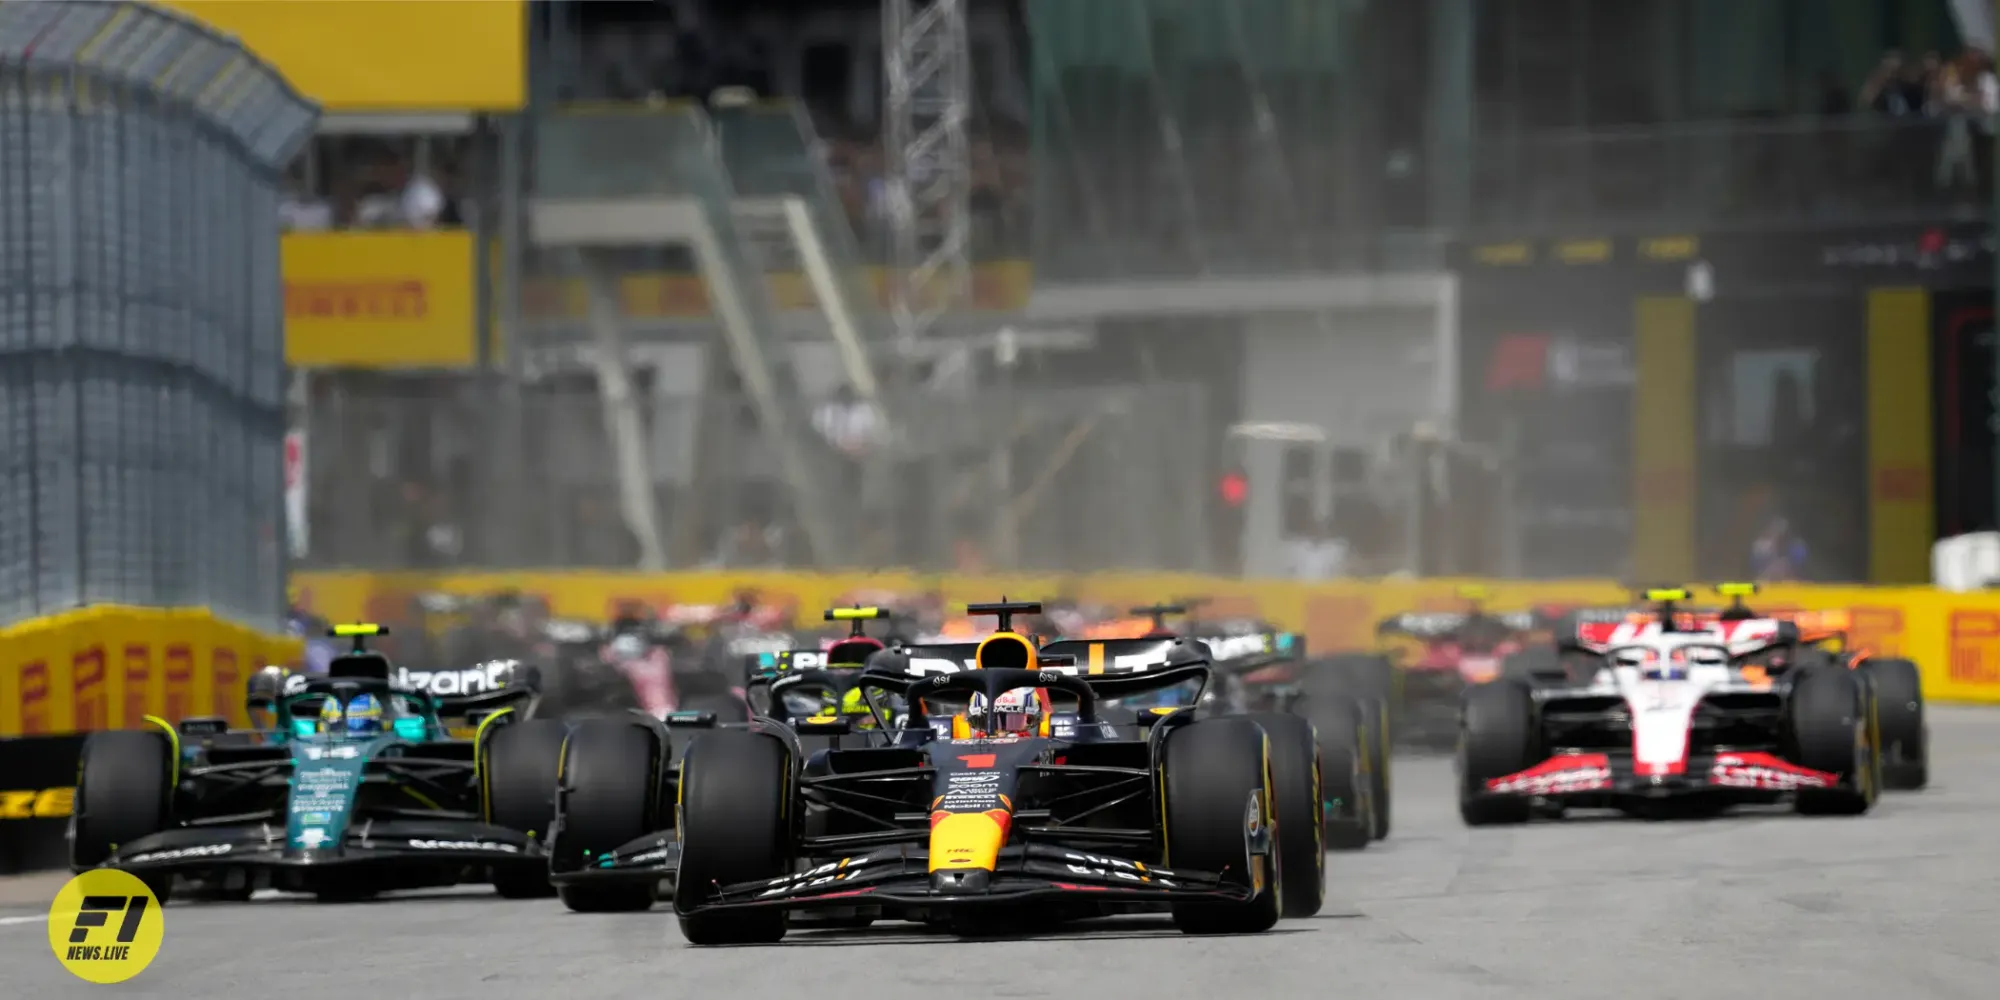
{"x": 927, "y": 63}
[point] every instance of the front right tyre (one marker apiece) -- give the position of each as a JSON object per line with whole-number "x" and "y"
{"x": 608, "y": 797}
{"x": 123, "y": 792}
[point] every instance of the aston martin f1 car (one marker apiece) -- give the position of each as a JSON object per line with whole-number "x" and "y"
{"x": 1676, "y": 720}
{"x": 1210, "y": 818}
{"x": 356, "y": 790}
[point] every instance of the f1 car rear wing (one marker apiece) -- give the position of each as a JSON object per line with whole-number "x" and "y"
{"x": 923, "y": 660}
{"x": 1087, "y": 689}
{"x": 1741, "y": 637}
{"x": 760, "y": 643}
{"x": 1429, "y": 626}
{"x": 1096, "y": 657}
{"x": 1238, "y": 652}
{"x": 573, "y": 631}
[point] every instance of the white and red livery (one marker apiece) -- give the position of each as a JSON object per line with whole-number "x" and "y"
{"x": 1676, "y": 709}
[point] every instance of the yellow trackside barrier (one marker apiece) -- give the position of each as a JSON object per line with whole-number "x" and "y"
{"x": 1954, "y": 638}
{"x": 109, "y": 667}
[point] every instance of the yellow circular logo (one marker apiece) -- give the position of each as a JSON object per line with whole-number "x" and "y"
{"x": 105, "y": 926}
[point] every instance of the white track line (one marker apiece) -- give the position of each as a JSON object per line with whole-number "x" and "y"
{"x": 39, "y": 918}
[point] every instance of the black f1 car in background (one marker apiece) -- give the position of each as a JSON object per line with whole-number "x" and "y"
{"x": 1260, "y": 669}
{"x": 1679, "y": 717}
{"x": 639, "y": 663}
{"x": 318, "y": 805}
{"x": 818, "y": 692}
{"x": 1189, "y": 814}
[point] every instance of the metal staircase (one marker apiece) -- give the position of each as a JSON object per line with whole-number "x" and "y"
{"x": 655, "y": 176}
{"x": 788, "y": 208}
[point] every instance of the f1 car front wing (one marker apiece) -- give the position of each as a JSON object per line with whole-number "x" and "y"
{"x": 398, "y": 842}
{"x": 1585, "y": 777}
{"x": 902, "y": 877}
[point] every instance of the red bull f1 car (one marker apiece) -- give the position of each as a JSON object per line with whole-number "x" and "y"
{"x": 1680, "y": 716}
{"x": 987, "y": 798}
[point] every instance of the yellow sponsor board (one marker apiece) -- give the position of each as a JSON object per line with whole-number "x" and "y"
{"x": 406, "y": 300}
{"x": 408, "y": 56}
{"x": 109, "y": 667}
{"x": 1954, "y": 638}
{"x": 379, "y": 300}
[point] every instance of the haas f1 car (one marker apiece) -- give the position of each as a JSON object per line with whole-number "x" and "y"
{"x": 1679, "y": 718}
{"x": 357, "y": 789}
{"x": 987, "y": 798}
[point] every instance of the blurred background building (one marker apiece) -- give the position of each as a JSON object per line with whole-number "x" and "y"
{"x": 1642, "y": 288}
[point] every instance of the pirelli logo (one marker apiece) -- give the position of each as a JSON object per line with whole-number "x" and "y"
{"x": 391, "y": 299}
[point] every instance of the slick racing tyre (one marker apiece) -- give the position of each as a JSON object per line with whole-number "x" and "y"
{"x": 1295, "y": 784}
{"x": 517, "y": 767}
{"x": 1899, "y": 707}
{"x": 123, "y": 792}
{"x": 1216, "y": 774}
{"x": 1497, "y": 737}
{"x": 1347, "y": 799}
{"x": 735, "y": 828}
{"x": 608, "y": 797}
{"x": 1827, "y": 727}
{"x": 1375, "y": 737}
{"x": 1359, "y": 676}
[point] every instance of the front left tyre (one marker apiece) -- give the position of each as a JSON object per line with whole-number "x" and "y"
{"x": 1216, "y": 774}
{"x": 1828, "y": 726}
{"x": 1899, "y": 706}
{"x": 1296, "y": 785}
{"x": 735, "y": 827}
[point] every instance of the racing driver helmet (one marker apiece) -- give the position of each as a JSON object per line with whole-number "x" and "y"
{"x": 362, "y": 718}
{"x": 1018, "y": 712}
{"x": 1635, "y": 658}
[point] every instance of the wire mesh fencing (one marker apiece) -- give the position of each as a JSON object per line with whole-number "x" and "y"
{"x": 141, "y": 318}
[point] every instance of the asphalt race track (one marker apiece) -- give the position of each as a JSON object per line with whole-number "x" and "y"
{"x": 1902, "y": 903}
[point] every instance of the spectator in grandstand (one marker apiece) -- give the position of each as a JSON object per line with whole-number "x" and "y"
{"x": 1897, "y": 87}
{"x": 849, "y": 423}
{"x": 301, "y": 210}
{"x": 400, "y": 197}
{"x": 1778, "y": 552}
{"x": 1967, "y": 94}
